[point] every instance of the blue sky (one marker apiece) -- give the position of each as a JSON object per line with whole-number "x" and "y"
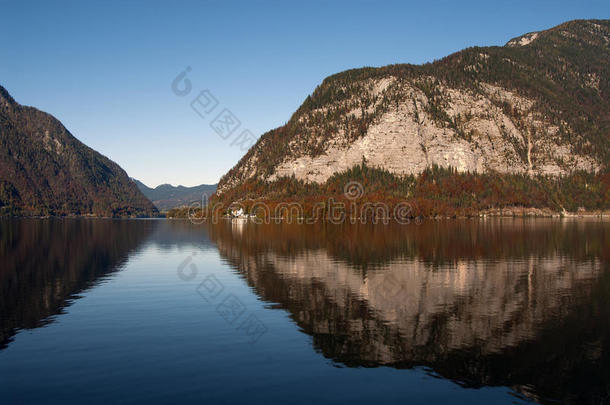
{"x": 105, "y": 68}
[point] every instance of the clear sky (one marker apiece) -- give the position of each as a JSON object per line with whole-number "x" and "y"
{"x": 105, "y": 69}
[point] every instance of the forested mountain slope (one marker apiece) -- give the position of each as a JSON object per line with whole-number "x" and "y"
{"x": 44, "y": 170}
{"x": 538, "y": 106}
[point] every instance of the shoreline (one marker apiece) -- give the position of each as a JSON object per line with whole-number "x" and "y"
{"x": 513, "y": 212}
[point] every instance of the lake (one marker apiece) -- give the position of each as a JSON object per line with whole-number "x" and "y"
{"x": 485, "y": 311}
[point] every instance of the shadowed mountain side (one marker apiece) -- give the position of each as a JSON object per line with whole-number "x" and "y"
{"x": 45, "y": 170}
{"x": 470, "y": 319}
{"x": 47, "y": 264}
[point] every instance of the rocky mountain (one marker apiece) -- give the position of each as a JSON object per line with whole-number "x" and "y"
{"x": 540, "y": 105}
{"x": 166, "y": 196}
{"x": 45, "y": 170}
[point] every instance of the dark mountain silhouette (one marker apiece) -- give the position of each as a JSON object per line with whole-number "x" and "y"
{"x": 45, "y": 170}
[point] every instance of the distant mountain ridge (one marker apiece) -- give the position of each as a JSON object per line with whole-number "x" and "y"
{"x": 45, "y": 170}
{"x": 166, "y": 196}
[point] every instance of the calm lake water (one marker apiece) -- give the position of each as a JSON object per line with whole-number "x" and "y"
{"x": 473, "y": 311}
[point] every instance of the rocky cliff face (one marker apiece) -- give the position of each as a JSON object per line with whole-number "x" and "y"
{"x": 406, "y": 139}
{"x": 538, "y": 105}
{"x": 44, "y": 170}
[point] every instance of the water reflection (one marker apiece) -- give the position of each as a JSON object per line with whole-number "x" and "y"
{"x": 516, "y": 303}
{"x": 47, "y": 264}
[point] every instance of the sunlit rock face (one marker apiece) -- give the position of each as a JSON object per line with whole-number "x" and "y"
{"x": 407, "y": 140}
{"x": 537, "y": 105}
{"x": 476, "y": 301}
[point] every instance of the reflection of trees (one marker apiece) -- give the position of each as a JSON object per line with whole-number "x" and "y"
{"x": 512, "y": 303}
{"x": 45, "y": 264}
{"x": 362, "y": 245}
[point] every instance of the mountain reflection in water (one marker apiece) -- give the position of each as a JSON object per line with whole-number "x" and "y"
{"x": 484, "y": 303}
{"x": 519, "y": 303}
{"x": 46, "y": 264}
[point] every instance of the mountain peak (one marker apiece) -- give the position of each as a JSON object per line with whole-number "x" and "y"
{"x": 593, "y": 32}
{"x": 5, "y": 97}
{"x": 47, "y": 171}
{"x": 523, "y": 40}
